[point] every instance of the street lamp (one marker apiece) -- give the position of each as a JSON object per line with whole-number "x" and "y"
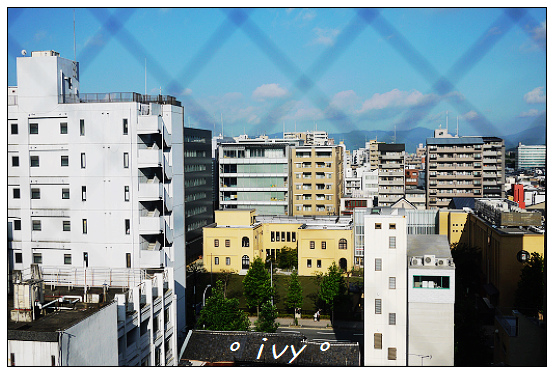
{"x": 204, "y": 295}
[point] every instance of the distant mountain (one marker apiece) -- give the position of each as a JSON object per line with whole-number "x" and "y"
{"x": 533, "y": 136}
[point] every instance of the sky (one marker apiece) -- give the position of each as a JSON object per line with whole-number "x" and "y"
{"x": 259, "y": 71}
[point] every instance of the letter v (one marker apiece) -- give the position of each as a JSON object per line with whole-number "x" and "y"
{"x": 280, "y": 354}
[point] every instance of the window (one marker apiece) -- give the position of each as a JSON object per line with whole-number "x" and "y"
{"x": 67, "y": 259}
{"x": 319, "y": 263}
{"x": 33, "y": 128}
{"x": 65, "y": 193}
{"x": 245, "y": 241}
{"x": 127, "y": 226}
{"x": 35, "y": 193}
{"x": 312, "y": 244}
{"x": 15, "y": 161}
{"x": 378, "y": 264}
{"x": 293, "y": 236}
{"x": 125, "y": 160}
{"x": 392, "y": 226}
{"x": 377, "y": 306}
{"x": 227, "y": 242}
{"x": 378, "y": 341}
{"x": 125, "y": 126}
{"x": 82, "y": 127}
{"x": 227, "y": 261}
{"x": 126, "y": 193}
{"x": 15, "y": 129}
{"x": 431, "y": 281}
{"x": 323, "y": 245}
{"x": 83, "y": 161}
{"x": 282, "y": 236}
{"x": 37, "y": 258}
{"x": 309, "y": 263}
{"x": 277, "y": 236}
{"x": 17, "y": 224}
{"x": 377, "y": 226}
{"x": 392, "y": 283}
{"x": 392, "y": 318}
{"x": 84, "y": 193}
{"x": 66, "y": 226}
{"x": 343, "y": 244}
{"x": 16, "y": 193}
{"x": 392, "y": 354}
{"x": 36, "y": 225}
{"x": 63, "y": 127}
{"x": 85, "y": 228}
{"x": 34, "y": 161}
{"x": 216, "y": 260}
{"x": 19, "y": 258}
{"x": 128, "y": 260}
{"x": 288, "y": 236}
{"x": 65, "y": 160}
{"x": 12, "y": 359}
{"x": 216, "y": 242}
{"x": 392, "y": 241}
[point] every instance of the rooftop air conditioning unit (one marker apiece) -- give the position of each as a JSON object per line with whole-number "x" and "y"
{"x": 429, "y": 260}
{"x": 443, "y": 262}
{"x": 417, "y": 261}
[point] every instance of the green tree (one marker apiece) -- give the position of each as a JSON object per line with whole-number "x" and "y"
{"x": 287, "y": 258}
{"x": 530, "y": 288}
{"x": 294, "y": 295}
{"x": 257, "y": 285}
{"x": 331, "y": 286}
{"x": 266, "y": 321}
{"x": 222, "y": 314}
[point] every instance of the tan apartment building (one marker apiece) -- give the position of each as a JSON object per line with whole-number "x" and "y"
{"x": 317, "y": 180}
{"x": 470, "y": 166}
{"x": 391, "y": 173}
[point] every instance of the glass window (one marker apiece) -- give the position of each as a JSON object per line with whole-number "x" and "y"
{"x": 82, "y": 127}
{"x": 392, "y": 318}
{"x": 125, "y": 126}
{"x": 15, "y": 129}
{"x": 125, "y": 160}
{"x": 67, "y": 259}
{"x": 65, "y": 160}
{"x": 128, "y": 260}
{"x": 85, "y": 228}
{"x": 36, "y": 225}
{"x": 17, "y": 224}
{"x": 392, "y": 283}
{"x": 16, "y": 193}
{"x": 293, "y": 236}
{"x": 323, "y": 245}
{"x": 309, "y": 263}
{"x": 37, "y": 258}
{"x": 378, "y": 341}
{"x": 312, "y": 244}
{"x": 18, "y": 258}
{"x": 128, "y": 227}
{"x": 227, "y": 261}
{"x": 391, "y": 354}
{"x": 392, "y": 241}
{"x": 377, "y": 226}
{"x": 431, "y": 281}
{"x": 33, "y": 128}
{"x": 216, "y": 260}
{"x": 216, "y": 242}
{"x": 319, "y": 263}
{"x": 35, "y": 193}
{"x": 343, "y": 244}
{"x": 126, "y": 193}
{"x": 227, "y": 242}
{"x": 392, "y": 226}
{"x": 66, "y": 226}
{"x": 65, "y": 193}
{"x": 34, "y": 161}
{"x": 15, "y": 160}
{"x": 377, "y": 306}
{"x": 84, "y": 193}
{"x": 378, "y": 264}
{"x": 83, "y": 161}
{"x": 63, "y": 127}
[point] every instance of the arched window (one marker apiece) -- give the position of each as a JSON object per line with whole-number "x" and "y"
{"x": 245, "y": 262}
{"x": 343, "y": 244}
{"x": 245, "y": 241}
{"x": 343, "y": 264}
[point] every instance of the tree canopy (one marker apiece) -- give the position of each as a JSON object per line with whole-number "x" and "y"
{"x": 222, "y": 314}
{"x": 331, "y": 285}
{"x": 266, "y": 321}
{"x": 257, "y": 285}
{"x": 294, "y": 295}
{"x": 529, "y": 296}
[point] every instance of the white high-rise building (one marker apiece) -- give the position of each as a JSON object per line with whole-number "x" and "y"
{"x": 95, "y": 181}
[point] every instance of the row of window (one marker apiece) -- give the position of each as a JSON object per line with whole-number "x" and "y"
{"x": 33, "y": 127}
{"x": 67, "y": 259}
{"x": 227, "y": 261}
{"x": 378, "y": 344}
{"x": 286, "y": 236}
{"x": 36, "y": 225}
{"x": 35, "y": 193}
{"x": 343, "y": 244}
{"x": 64, "y": 161}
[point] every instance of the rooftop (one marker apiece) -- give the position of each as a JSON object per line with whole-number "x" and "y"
{"x": 463, "y": 140}
{"x": 437, "y": 245}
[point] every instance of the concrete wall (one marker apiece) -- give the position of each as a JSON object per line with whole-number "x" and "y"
{"x": 32, "y": 353}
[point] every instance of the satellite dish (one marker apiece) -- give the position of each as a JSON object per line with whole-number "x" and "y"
{"x": 23, "y": 52}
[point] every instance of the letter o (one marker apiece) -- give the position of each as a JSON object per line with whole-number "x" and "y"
{"x": 235, "y": 346}
{"x": 326, "y": 348}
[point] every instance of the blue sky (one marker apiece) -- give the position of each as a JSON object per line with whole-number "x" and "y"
{"x": 337, "y": 69}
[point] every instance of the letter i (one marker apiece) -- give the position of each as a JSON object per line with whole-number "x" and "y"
{"x": 261, "y": 349}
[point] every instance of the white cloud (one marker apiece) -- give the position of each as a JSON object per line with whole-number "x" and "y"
{"x": 325, "y": 36}
{"x": 186, "y": 92}
{"x": 470, "y": 116}
{"x": 536, "y": 96}
{"x": 397, "y": 98}
{"x": 344, "y": 99}
{"x": 269, "y": 91}
{"x": 531, "y": 113}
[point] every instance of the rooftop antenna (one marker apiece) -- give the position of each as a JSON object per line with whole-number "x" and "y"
{"x": 74, "y": 43}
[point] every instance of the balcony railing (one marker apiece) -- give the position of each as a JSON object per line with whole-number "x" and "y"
{"x": 117, "y": 97}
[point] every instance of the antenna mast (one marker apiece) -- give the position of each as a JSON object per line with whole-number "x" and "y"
{"x": 74, "y": 43}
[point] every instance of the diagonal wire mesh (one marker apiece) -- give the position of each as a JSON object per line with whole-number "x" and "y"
{"x": 305, "y": 83}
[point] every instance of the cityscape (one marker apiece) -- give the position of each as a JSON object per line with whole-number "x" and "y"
{"x": 245, "y": 198}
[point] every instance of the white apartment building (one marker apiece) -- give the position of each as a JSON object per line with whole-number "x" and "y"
{"x": 391, "y": 173}
{"x": 530, "y": 156}
{"x": 95, "y": 181}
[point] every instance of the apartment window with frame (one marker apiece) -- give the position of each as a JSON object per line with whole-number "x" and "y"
{"x": 84, "y": 193}
{"x": 216, "y": 242}
{"x": 63, "y": 127}
{"x": 82, "y": 127}
{"x": 14, "y": 128}
{"x": 85, "y": 226}
{"x": 33, "y": 128}
{"x": 17, "y": 224}
{"x": 19, "y": 258}
{"x": 35, "y": 193}
{"x": 378, "y": 264}
{"x": 323, "y": 245}
{"x": 273, "y": 236}
{"x": 392, "y": 283}
{"x": 391, "y": 354}
{"x": 227, "y": 243}
{"x": 318, "y": 263}
{"x": 392, "y": 241}
{"x": 343, "y": 244}
{"x": 66, "y": 226}
{"x": 378, "y": 340}
{"x": 67, "y": 259}
{"x": 288, "y": 236}
{"x": 309, "y": 263}
{"x": 125, "y": 126}
{"x": 392, "y": 226}
{"x": 312, "y": 244}
{"x": 126, "y": 193}
{"x": 216, "y": 260}
{"x": 83, "y": 161}
{"x": 293, "y": 236}
{"x": 392, "y": 318}
{"x": 36, "y": 225}
{"x": 16, "y": 193}
{"x": 35, "y": 161}
{"x": 65, "y": 193}
{"x": 377, "y": 226}
{"x": 127, "y": 227}
{"x": 227, "y": 261}
{"x": 15, "y": 161}
{"x": 64, "y": 160}
{"x": 128, "y": 260}
{"x": 126, "y": 160}
{"x": 377, "y": 306}
{"x": 37, "y": 258}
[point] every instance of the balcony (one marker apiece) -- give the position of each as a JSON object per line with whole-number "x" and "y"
{"x": 153, "y": 125}
{"x": 151, "y": 224}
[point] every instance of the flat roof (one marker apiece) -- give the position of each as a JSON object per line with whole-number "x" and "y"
{"x": 437, "y": 245}
{"x": 463, "y": 140}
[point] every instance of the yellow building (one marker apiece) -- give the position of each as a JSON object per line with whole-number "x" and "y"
{"x": 452, "y": 224}
{"x": 317, "y": 180}
{"x": 239, "y": 236}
